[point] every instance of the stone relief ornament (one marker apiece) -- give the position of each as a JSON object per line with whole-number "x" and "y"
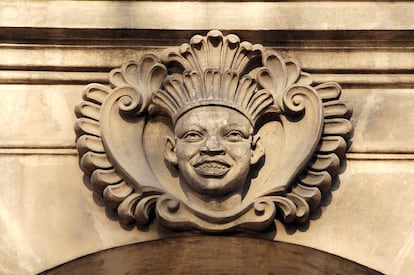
{"x": 214, "y": 135}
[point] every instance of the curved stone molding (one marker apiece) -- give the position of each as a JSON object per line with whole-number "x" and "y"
{"x": 195, "y": 254}
{"x": 217, "y": 135}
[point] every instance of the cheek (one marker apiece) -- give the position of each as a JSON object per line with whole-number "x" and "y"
{"x": 239, "y": 151}
{"x": 185, "y": 151}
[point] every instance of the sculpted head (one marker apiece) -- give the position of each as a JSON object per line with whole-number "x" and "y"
{"x": 214, "y": 148}
{"x": 213, "y": 116}
{"x": 214, "y": 145}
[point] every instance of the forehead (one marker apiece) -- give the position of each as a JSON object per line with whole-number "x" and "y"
{"x": 212, "y": 117}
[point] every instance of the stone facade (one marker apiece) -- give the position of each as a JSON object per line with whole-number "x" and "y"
{"x": 49, "y": 51}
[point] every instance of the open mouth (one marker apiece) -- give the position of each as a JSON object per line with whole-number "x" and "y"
{"x": 212, "y": 168}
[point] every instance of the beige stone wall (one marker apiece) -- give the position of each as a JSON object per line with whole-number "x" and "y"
{"x": 49, "y": 50}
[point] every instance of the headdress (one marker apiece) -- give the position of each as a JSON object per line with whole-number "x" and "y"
{"x": 212, "y": 70}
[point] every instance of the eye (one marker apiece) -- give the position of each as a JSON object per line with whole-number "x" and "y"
{"x": 234, "y": 136}
{"x": 192, "y": 136}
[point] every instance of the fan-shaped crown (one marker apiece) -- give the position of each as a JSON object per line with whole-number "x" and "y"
{"x": 212, "y": 70}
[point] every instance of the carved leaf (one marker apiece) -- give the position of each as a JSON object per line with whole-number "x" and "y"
{"x": 91, "y": 161}
{"x": 100, "y": 179}
{"x": 103, "y": 124}
{"x": 297, "y": 150}
{"x": 144, "y": 208}
{"x": 327, "y": 124}
{"x": 338, "y": 126}
{"x": 320, "y": 179}
{"x": 89, "y": 143}
{"x": 86, "y": 126}
{"x": 286, "y": 207}
{"x": 126, "y": 208}
{"x": 337, "y": 109}
{"x": 255, "y": 217}
{"x": 311, "y": 195}
{"x": 333, "y": 144}
{"x": 88, "y": 109}
{"x": 293, "y": 72}
{"x": 96, "y": 93}
{"x": 329, "y": 91}
{"x": 116, "y": 193}
{"x": 329, "y": 163}
{"x": 302, "y": 207}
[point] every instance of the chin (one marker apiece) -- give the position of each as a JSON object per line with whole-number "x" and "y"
{"x": 215, "y": 187}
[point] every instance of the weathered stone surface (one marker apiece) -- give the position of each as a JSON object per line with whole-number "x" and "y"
{"x": 209, "y": 15}
{"x": 382, "y": 120}
{"x": 45, "y": 110}
{"x": 370, "y": 213}
{"x": 326, "y": 58}
{"x": 48, "y": 215}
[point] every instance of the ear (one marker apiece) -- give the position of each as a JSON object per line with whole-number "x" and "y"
{"x": 169, "y": 153}
{"x": 257, "y": 150}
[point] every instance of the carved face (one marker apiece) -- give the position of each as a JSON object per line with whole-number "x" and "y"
{"x": 213, "y": 149}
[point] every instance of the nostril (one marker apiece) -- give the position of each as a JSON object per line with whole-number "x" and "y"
{"x": 213, "y": 153}
{"x": 212, "y": 147}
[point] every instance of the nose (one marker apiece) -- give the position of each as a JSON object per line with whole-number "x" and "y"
{"x": 212, "y": 147}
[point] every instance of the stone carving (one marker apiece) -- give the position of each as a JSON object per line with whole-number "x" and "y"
{"x": 215, "y": 135}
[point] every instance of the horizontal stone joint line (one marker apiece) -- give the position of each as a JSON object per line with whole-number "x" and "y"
{"x": 132, "y": 36}
{"x": 351, "y": 79}
{"x": 72, "y": 151}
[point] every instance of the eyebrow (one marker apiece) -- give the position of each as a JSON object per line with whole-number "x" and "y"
{"x": 238, "y": 127}
{"x": 235, "y": 125}
{"x": 190, "y": 127}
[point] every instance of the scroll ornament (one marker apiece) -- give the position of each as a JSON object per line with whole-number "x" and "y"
{"x": 215, "y": 135}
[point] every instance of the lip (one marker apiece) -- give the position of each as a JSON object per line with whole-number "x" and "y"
{"x": 212, "y": 168}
